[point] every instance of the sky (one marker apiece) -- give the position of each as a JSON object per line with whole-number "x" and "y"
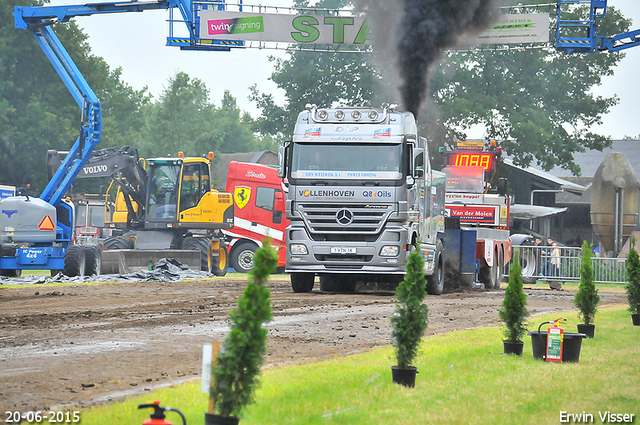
{"x": 136, "y": 43}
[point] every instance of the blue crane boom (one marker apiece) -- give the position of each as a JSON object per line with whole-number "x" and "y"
{"x": 38, "y": 233}
{"x": 580, "y": 35}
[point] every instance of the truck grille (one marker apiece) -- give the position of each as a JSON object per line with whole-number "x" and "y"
{"x": 364, "y": 219}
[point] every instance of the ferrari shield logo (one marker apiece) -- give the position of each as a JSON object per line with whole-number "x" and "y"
{"x": 242, "y": 195}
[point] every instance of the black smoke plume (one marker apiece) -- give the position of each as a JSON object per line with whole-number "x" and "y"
{"x": 427, "y": 28}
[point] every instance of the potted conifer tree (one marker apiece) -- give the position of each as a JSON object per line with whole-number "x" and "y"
{"x": 633, "y": 282}
{"x": 236, "y": 375}
{"x": 514, "y": 309}
{"x": 409, "y": 321}
{"x": 587, "y": 298}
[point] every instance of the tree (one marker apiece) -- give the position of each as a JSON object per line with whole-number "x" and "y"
{"x": 587, "y": 298}
{"x": 323, "y": 78}
{"x": 38, "y": 113}
{"x": 184, "y": 119}
{"x": 514, "y": 306}
{"x": 236, "y": 375}
{"x": 633, "y": 278}
{"x": 411, "y": 316}
{"x": 537, "y": 103}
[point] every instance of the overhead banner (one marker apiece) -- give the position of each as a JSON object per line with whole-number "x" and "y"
{"x": 350, "y": 30}
{"x": 312, "y": 29}
{"x": 515, "y": 29}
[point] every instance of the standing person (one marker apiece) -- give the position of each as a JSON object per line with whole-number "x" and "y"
{"x": 554, "y": 265}
{"x": 555, "y": 259}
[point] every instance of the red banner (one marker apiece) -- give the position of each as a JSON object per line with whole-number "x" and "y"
{"x": 472, "y": 213}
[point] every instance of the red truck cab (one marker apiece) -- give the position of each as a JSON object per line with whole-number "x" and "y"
{"x": 259, "y": 213}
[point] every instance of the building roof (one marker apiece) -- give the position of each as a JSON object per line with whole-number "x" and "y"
{"x": 572, "y": 198}
{"x": 560, "y": 183}
{"x": 590, "y": 160}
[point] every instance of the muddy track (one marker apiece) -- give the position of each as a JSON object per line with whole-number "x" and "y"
{"x": 89, "y": 344}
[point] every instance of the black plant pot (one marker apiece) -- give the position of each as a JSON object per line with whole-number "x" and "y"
{"x": 571, "y": 345}
{"x": 211, "y": 419}
{"x": 513, "y": 347}
{"x": 404, "y": 375}
{"x": 588, "y": 330}
{"x": 636, "y": 319}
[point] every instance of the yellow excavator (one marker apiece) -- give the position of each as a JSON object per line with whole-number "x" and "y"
{"x": 160, "y": 208}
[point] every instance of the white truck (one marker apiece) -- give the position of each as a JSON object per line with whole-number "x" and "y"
{"x": 362, "y": 196}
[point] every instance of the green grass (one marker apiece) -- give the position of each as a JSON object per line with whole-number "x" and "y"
{"x": 463, "y": 379}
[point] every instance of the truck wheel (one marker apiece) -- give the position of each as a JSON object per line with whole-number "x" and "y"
{"x": 242, "y": 257}
{"x": 220, "y": 262}
{"x": 328, "y": 283}
{"x": 93, "y": 260}
{"x": 489, "y": 274}
{"x": 74, "y": 261}
{"x": 9, "y": 250}
{"x": 118, "y": 242}
{"x": 435, "y": 282}
{"x": 302, "y": 282}
{"x": 204, "y": 246}
{"x": 528, "y": 264}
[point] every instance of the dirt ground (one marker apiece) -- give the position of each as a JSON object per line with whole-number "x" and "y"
{"x": 82, "y": 345}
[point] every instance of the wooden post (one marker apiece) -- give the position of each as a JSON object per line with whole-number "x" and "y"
{"x": 214, "y": 363}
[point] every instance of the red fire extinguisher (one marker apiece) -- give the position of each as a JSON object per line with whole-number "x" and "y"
{"x": 555, "y": 342}
{"x": 158, "y": 417}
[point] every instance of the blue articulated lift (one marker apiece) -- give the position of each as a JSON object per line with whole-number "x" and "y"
{"x": 580, "y": 34}
{"x": 37, "y": 233}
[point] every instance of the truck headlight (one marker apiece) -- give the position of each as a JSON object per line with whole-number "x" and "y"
{"x": 298, "y": 249}
{"x": 389, "y": 251}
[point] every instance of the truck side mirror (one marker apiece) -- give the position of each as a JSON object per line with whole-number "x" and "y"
{"x": 418, "y": 157}
{"x": 282, "y": 160}
{"x": 278, "y": 207}
{"x": 502, "y": 186}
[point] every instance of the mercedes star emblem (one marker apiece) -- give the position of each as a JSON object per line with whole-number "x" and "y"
{"x": 344, "y": 217}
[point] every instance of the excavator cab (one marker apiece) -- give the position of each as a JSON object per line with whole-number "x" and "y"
{"x": 180, "y": 195}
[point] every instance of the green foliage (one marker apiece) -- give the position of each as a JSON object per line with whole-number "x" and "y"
{"x": 587, "y": 298}
{"x": 411, "y": 316}
{"x": 184, "y": 119}
{"x": 538, "y": 102}
{"x": 633, "y": 276}
{"x": 514, "y": 306}
{"x": 37, "y": 112}
{"x": 236, "y": 376}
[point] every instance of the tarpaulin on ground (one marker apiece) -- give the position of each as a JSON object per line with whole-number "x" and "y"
{"x": 165, "y": 270}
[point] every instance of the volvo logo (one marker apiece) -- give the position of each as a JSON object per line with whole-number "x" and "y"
{"x": 344, "y": 217}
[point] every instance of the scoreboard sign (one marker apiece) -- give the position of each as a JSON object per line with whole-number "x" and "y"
{"x": 485, "y": 160}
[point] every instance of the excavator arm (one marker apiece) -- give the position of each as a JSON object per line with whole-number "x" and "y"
{"x": 123, "y": 166}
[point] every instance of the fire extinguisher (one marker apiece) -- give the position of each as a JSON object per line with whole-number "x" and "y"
{"x": 555, "y": 342}
{"x": 158, "y": 417}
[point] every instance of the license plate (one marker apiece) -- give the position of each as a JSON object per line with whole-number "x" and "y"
{"x": 342, "y": 250}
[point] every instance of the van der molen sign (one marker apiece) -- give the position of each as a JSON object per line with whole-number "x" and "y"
{"x": 349, "y": 30}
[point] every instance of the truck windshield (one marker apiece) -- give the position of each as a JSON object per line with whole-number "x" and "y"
{"x": 347, "y": 161}
{"x": 465, "y": 179}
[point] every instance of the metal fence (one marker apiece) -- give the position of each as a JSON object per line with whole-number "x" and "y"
{"x": 540, "y": 263}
